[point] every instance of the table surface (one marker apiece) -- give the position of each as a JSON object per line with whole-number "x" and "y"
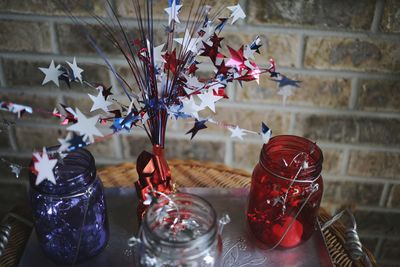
{"x": 238, "y": 249}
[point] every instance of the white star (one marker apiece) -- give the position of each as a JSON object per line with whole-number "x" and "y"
{"x": 190, "y": 108}
{"x": 248, "y": 52}
{"x": 64, "y": 143}
{"x": 188, "y": 43}
{"x": 237, "y": 13}
{"x": 52, "y": 73}
{"x": 18, "y": 109}
{"x": 266, "y": 136}
{"x": 76, "y": 70}
{"x": 173, "y": 11}
{"x": 237, "y": 132}
{"x": 193, "y": 82}
{"x": 16, "y": 169}
{"x": 44, "y": 166}
{"x": 157, "y": 54}
{"x": 86, "y": 126}
{"x": 99, "y": 102}
{"x": 208, "y": 99}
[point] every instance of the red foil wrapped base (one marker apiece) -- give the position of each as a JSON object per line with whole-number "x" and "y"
{"x": 154, "y": 175}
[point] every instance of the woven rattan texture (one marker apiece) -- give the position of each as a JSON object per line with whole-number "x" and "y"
{"x": 189, "y": 173}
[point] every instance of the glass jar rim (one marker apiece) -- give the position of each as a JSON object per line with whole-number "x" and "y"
{"x": 292, "y": 143}
{"x": 208, "y": 236}
{"x": 71, "y": 184}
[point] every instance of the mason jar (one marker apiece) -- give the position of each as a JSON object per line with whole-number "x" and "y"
{"x": 70, "y": 216}
{"x": 180, "y": 230}
{"x": 286, "y": 191}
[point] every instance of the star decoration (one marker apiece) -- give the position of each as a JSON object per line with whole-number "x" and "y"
{"x": 44, "y": 167}
{"x": 76, "y": 71}
{"x": 99, "y": 102}
{"x": 237, "y": 132}
{"x": 256, "y": 44}
{"x": 187, "y": 42}
{"x": 198, "y": 125}
{"x": 284, "y": 81}
{"x": 237, "y": 13}
{"x": 52, "y": 73}
{"x": 64, "y": 143}
{"x": 248, "y": 52}
{"x": 157, "y": 54}
{"x": 86, "y": 126}
{"x": 265, "y": 133}
{"x": 208, "y": 99}
{"x": 16, "y": 169}
{"x": 172, "y": 12}
{"x": 190, "y": 108}
{"x": 106, "y": 91}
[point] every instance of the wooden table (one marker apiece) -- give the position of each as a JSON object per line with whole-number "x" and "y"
{"x": 185, "y": 174}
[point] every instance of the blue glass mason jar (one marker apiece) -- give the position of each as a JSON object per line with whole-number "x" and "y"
{"x": 70, "y": 216}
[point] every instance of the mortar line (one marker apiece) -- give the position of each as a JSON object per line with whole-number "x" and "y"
{"x": 13, "y": 181}
{"x": 378, "y": 247}
{"x": 292, "y": 123}
{"x": 305, "y": 109}
{"x": 12, "y": 138}
{"x": 377, "y": 209}
{"x": 378, "y": 13}
{"x": 53, "y": 38}
{"x": 2, "y": 78}
{"x": 118, "y": 146}
{"x": 237, "y": 105}
{"x": 245, "y": 28}
{"x": 384, "y": 195}
{"x": 94, "y": 59}
{"x": 219, "y": 136}
{"x": 229, "y": 152}
{"x": 300, "y": 51}
{"x": 345, "y": 161}
{"x": 355, "y": 83}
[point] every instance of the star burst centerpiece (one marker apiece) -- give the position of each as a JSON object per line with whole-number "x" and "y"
{"x": 166, "y": 83}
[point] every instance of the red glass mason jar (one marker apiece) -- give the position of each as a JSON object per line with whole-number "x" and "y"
{"x": 286, "y": 191}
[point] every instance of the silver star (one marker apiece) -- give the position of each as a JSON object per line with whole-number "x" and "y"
{"x": 157, "y": 54}
{"x": 172, "y": 12}
{"x": 76, "y": 70}
{"x": 237, "y": 132}
{"x": 187, "y": 42}
{"x": 237, "y": 13}
{"x": 16, "y": 169}
{"x": 52, "y": 73}
{"x": 190, "y": 108}
{"x": 99, "y": 102}
{"x": 86, "y": 126}
{"x": 44, "y": 166}
{"x": 208, "y": 99}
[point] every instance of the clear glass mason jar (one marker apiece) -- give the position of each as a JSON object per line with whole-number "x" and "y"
{"x": 180, "y": 230}
{"x": 286, "y": 191}
{"x": 70, "y": 216}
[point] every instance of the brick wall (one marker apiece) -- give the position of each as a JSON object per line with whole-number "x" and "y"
{"x": 347, "y": 53}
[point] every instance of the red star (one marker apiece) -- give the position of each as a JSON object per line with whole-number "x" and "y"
{"x": 210, "y": 51}
{"x": 216, "y": 40}
{"x": 171, "y": 61}
{"x": 223, "y": 69}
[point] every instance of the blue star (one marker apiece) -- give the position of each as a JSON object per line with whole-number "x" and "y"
{"x": 286, "y": 81}
{"x": 198, "y": 125}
